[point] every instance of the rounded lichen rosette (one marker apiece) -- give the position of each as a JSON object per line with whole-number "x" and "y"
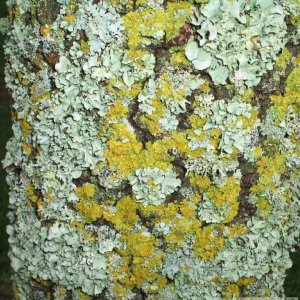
{"x": 156, "y": 148}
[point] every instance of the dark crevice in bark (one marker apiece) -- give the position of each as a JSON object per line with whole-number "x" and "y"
{"x": 179, "y": 168}
{"x": 178, "y": 164}
{"x": 86, "y": 177}
{"x": 269, "y": 86}
{"x": 28, "y": 19}
{"x": 101, "y": 296}
{"x": 161, "y": 55}
{"x": 249, "y": 178}
{"x": 52, "y": 58}
{"x": 139, "y": 294}
{"x": 47, "y": 11}
{"x": 125, "y": 189}
{"x": 134, "y": 6}
{"x": 69, "y": 295}
{"x": 183, "y": 121}
{"x": 175, "y": 197}
{"x": 42, "y": 290}
{"x": 96, "y": 1}
{"x": 143, "y": 135}
{"x": 221, "y": 92}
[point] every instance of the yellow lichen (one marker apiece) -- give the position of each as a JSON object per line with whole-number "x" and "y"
{"x": 120, "y": 90}
{"x": 69, "y": 19}
{"x": 142, "y": 25}
{"x": 246, "y": 280}
{"x": 291, "y": 98}
{"x": 209, "y": 240}
{"x": 228, "y": 194}
{"x": 188, "y": 209}
{"x": 264, "y": 207}
{"x": 84, "y": 46}
{"x": 45, "y": 30}
{"x": 205, "y": 87}
{"x": 26, "y": 128}
{"x": 117, "y": 111}
{"x": 124, "y": 217}
{"x": 139, "y": 265}
{"x": 178, "y": 59}
{"x": 27, "y": 148}
{"x": 49, "y": 196}
{"x": 166, "y": 89}
{"x": 177, "y": 14}
{"x": 151, "y": 120}
{"x": 231, "y": 291}
{"x": 199, "y": 181}
{"x": 257, "y": 152}
{"x": 196, "y": 121}
{"x": 31, "y": 194}
{"x": 267, "y": 167}
{"x": 123, "y": 149}
{"x": 62, "y": 291}
{"x": 83, "y": 296}
{"x": 147, "y": 25}
{"x": 87, "y": 206}
{"x": 247, "y": 95}
{"x": 236, "y": 230}
{"x": 283, "y": 59}
{"x": 297, "y": 60}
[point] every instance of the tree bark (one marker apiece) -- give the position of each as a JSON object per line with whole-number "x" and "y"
{"x": 156, "y": 148}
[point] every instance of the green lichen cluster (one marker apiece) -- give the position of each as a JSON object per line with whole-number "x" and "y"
{"x": 150, "y": 158}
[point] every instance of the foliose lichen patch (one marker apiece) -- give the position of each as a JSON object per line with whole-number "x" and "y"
{"x": 156, "y": 147}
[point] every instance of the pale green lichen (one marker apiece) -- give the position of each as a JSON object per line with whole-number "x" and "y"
{"x": 152, "y": 186}
{"x": 236, "y": 40}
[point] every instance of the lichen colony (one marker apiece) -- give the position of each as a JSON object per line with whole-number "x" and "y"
{"x": 156, "y": 147}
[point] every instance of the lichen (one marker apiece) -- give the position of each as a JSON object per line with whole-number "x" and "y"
{"x": 243, "y": 33}
{"x": 152, "y": 155}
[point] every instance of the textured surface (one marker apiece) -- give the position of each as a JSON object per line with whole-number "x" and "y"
{"x": 146, "y": 161}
